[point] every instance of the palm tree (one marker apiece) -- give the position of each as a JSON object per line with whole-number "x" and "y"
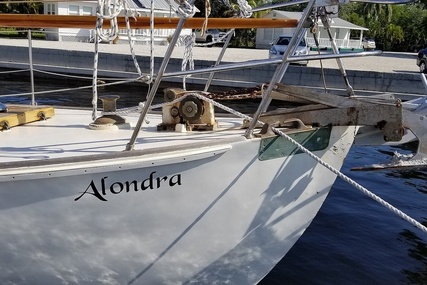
{"x": 375, "y": 11}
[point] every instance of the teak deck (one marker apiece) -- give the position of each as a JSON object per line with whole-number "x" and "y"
{"x": 19, "y": 115}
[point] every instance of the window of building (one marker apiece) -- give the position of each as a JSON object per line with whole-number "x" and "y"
{"x": 268, "y": 34}
{"x": 87, "y": 11}
{"x": 73, "y": 10}
{"x": 50, "y": 9}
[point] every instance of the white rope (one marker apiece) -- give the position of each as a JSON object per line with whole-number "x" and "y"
{"x": 354, "y": 183}
{"x": 185, "y": 9}
{"x": 245, "y": 10}
{"x": 113, "y": 9}
{"x": 207, "y": 14}
{"x": 188, "y": 56}
{"x": 95, "y": 67}
{"x": 131, "y": 13}
{"x": 316, "y": 158}
{"x": 152, "y": 41}
{"x": 129, "y": 110}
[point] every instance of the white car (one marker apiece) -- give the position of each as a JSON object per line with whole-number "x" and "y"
{"x": 279, "y": 47}
{"x": 368, "y": 44}
{"x": 210, "y": 36}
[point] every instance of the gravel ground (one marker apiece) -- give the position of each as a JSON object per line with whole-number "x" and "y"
{"x": 393, "y": 62}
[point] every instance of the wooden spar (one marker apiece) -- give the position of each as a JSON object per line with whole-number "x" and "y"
{"x": 89, "y": 22}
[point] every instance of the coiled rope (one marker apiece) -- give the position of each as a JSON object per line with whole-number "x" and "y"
{"x": 185, "y": 9}
{"x": 245, "y": 10}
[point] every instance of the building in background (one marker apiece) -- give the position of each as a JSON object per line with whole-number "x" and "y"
{"x": 340, "y": 29}
{"x": 88, "y": 8}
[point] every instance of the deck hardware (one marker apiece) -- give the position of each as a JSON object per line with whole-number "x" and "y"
{"x": 4, "y": 125}
{"x": 293, "y": 124}
{"x": 109, "y": 120}
{"x": 42, "y": 116}
{"x": 191, "y": 108}
{"x": 174, "y": 111}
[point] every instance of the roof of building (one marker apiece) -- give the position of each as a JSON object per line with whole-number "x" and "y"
{"x": 158, "y": 4}
{"x": 162, "y": 5}
{"x": 336, "y": 22}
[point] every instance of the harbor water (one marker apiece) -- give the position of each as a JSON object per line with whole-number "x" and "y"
{"x": 353, "y": 239}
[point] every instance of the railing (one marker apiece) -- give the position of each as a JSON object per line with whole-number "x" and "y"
{"x": 341, "y": 43}
{"x": 143, "y": 35}
{"x": 23, "y": 67}
{"x": 140, "y": 36}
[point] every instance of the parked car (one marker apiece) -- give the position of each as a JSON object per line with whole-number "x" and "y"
{"x": 209, "y": 36}
{"x": 368, "y": 44}
{"x": 280, "y": 45}
{"x": 422, "y": 60}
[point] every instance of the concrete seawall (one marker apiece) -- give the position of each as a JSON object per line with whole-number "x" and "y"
{"x": 49, "y": 56}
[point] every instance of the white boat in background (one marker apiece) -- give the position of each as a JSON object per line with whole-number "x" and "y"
{"x": 178, "y": 196}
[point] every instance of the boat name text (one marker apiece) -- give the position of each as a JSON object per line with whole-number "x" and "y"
{"x": 100, "y": 190}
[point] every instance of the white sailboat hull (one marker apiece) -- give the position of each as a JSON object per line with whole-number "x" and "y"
{"x": 210, "y": 215}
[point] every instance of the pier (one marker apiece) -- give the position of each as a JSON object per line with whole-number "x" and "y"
{"x": 389, "y": 72}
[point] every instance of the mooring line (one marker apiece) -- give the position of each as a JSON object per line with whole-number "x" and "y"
{"x": 309, "y": 153}
{"x": 329, "y": 167}
{"x": 354, "y": 183}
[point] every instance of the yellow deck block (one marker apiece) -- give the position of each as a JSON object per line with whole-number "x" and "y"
{"x": 23, "y": 114}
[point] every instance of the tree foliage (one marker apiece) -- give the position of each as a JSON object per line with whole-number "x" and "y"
{"x": 31, "y": 7}
{"x": 394, "y": 27}
{"x": 230, "y": 8}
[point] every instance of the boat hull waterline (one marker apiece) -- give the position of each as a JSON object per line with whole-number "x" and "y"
{"x": 208, "y": 215}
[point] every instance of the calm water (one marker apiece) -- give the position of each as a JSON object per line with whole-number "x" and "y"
{"x": 353, "y": 240}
